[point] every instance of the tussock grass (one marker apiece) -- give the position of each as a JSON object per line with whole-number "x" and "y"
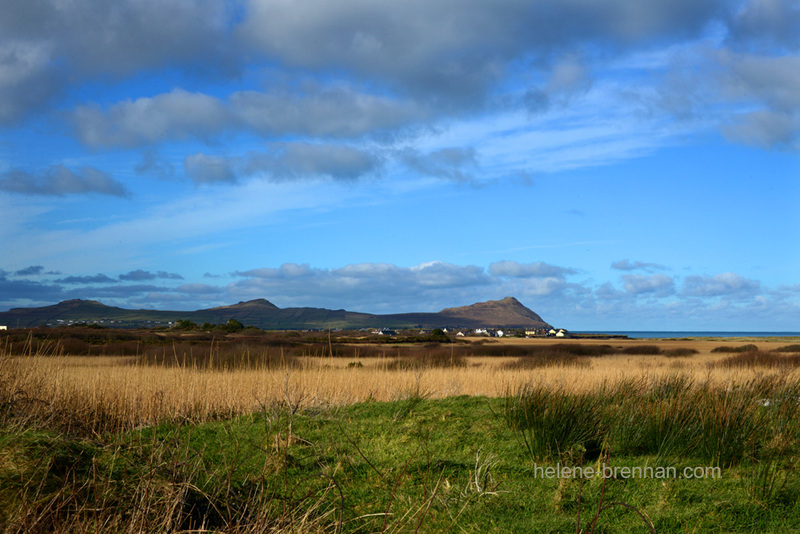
{"x": 549, "y": 349}
{"x": 680, "y": 352}
{"x": 730, "y": 349}
{"x": 97, "y": 394}
{"x": 757, "y": 358}
{"x": 220, "y": 356}
{"x": 668, "y": 417}
{"x": 120, "y": 444}
{"x": 641, "y": 349}
{"x": 787, "y": 348}
{"x": 431, "y": 358}
{"x": 548, "y": 359}
{"x": 551, "y": 422}
{"x": 157, "y": 483}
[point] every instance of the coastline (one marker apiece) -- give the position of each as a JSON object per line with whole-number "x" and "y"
{"x": 655, "y": 334}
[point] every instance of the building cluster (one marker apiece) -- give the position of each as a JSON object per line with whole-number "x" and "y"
{"x": 533, "y": 332}
{"x": 481, "y": 332}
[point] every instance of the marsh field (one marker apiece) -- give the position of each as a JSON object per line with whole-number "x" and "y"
{"x": 107, "y": 431}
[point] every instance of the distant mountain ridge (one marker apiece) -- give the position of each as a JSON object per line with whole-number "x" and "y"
{"x": 508, "y": 311}
{"x": 505, "y": 313}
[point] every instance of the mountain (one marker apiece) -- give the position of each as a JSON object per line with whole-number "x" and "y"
{"x": 78, "y": 310}
{"x": 508, "y": 312}
{"x": 505, "y": 313}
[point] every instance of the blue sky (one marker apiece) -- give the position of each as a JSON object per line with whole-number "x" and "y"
{"x": 612, "y": 164}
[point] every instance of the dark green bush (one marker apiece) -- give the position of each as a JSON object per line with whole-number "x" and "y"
{"x": 729, "y": 349}
{"x": 678, "y": 352}
{"x": 788, "y": 348}
{"x": 641, "y": 349}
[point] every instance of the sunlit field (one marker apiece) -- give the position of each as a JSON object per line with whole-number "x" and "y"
{"x": 326, "y": 437}
{"x": 126, "y": 392}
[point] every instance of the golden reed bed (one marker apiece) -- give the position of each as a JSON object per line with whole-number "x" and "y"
{"x": 115, "y": 389}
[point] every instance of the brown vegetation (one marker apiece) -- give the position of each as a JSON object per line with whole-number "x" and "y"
{"x": 757, "y": 358}
{"x": 195, "y": 381}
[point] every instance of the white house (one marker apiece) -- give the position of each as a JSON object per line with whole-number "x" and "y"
{"x": 3, "y": 327}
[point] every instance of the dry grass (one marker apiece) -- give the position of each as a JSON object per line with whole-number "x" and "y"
{"x": 157, "y": 481}
{"x": 115, "y": 394}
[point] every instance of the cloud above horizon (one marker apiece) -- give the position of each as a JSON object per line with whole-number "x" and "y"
{"x": 547, "y": 289}
{"x": 59, "y": 181}
{"x": 627, "y": 265}
{"x": 600, "y": 159}
{"x": 344, "y": 69}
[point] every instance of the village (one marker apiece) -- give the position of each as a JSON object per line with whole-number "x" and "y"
{"x": 482, "y": 332}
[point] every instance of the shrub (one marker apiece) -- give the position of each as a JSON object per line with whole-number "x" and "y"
{"x": 729, "y": 349}
{"x": 788, "y": 348}
{"x": 425, "y": 359}
{"x": 678, "y": 352}
{"x": 184, "y": 324}
{"x": 438, "y": 335}
{"x": 641, "y": 349}
{"x": 759, "y": 359}
{"x": 233, "y": 326}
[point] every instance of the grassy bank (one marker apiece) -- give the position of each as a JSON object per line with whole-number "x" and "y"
{"x": 468, "y": 464}
{"x": 581, "y": 437}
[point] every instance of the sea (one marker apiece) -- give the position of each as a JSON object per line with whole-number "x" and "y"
{"x": 656, "y": 334}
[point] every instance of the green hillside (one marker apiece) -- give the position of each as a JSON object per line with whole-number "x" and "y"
{"x": 505, "y": 313}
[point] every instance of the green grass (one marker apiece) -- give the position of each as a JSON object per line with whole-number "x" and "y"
{"x": 462, "y": 464}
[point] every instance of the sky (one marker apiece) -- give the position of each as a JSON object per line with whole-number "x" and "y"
{"x": 613, "y": 165}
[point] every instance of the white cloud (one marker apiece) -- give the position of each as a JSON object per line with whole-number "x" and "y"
{"x": 123, "y": 36}
{"x": 140, "y": 275}
{"x": 657, "y": 285}
{"x": 204, "y": 169}
{"x": 720, "y": 285}
{"x": 326, "y": 112}
{"x": 766, "y": 24}
{"x": 446, "y": 50}
{"x": 163, "y": 228}
{"x": 765, "y": 129}
{"x": 293, "y": 161}
{"x": 148, "y": 120}
{"x": 774, "y": 80}
{"x": 627, "y": 265}
{"x": 358, "y": 284}
{"x": 27, "y": 81}
{"x": 59, "y": 181}
{"x": 179, "y": 115}
{"x": 706, "y": 302}
{"x": 452, "y": 163}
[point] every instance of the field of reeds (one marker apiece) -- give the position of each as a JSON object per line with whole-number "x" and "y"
{"x": 308, "y": 433}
